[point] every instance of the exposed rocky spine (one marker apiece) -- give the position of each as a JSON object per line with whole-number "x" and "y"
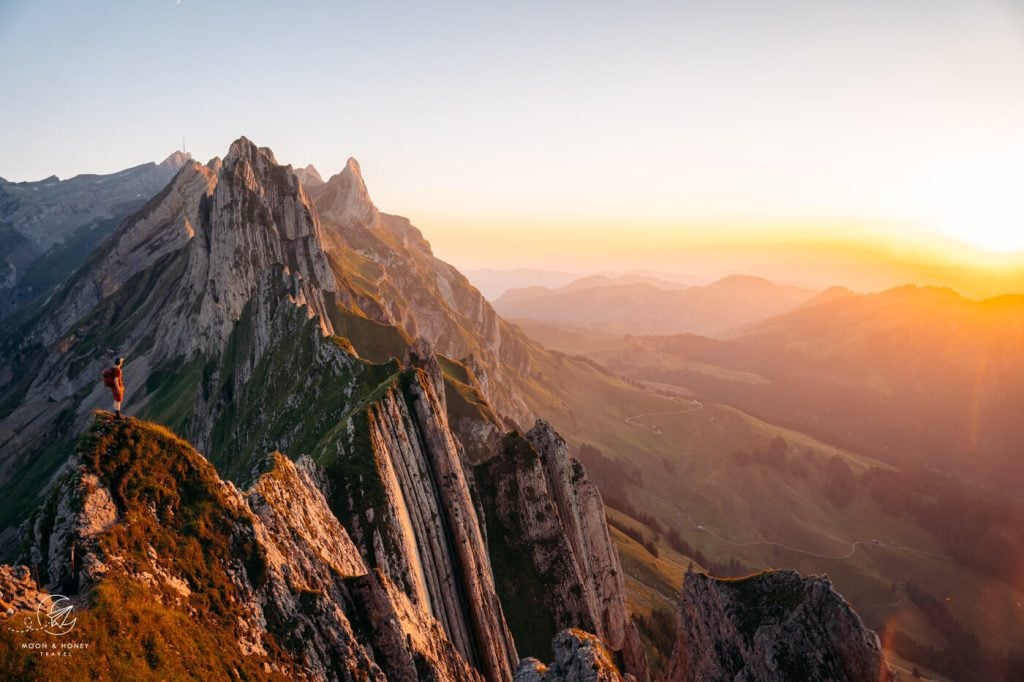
{"x": 413, "y": 515}
{"x": 772, "y": 626}
{"x": 582, "y": 511}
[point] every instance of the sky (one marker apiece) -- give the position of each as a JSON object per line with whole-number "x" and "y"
{"x": 572, "y": 135}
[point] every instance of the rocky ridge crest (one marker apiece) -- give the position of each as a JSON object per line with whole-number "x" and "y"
{"x": 776, "y": 625}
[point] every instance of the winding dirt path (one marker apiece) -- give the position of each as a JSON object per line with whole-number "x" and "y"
{"x": 694, "y": 405}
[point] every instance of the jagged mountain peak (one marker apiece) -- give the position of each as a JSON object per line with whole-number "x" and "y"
{"x": 344, "y": 199}
{"x": 176, "y": 159}
{"x": 352, "y": 166}
{"x": 243, "y": 147}
{"x": 309, "y": 176}
{"x": 219, "y": 228}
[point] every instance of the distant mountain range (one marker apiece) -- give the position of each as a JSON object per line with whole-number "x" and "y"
{"x": 634, "y": 304}
{"x": 493, "y": 283}
{"x": 50, "y": 227}
{"x": 912, "y": 374}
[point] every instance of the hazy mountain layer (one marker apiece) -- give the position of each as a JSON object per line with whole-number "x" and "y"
{"x": 637, "y": 305}
{"x": 909, "y": 375}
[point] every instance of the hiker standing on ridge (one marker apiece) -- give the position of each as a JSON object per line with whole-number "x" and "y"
{"x": 112, "y": 379}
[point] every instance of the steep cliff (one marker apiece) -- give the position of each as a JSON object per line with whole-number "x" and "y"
{"x": 555, "y": 563}
{"x": 387, "y": 271}
{"x": 771, "y": 626}
{"x": 409, "y": 504}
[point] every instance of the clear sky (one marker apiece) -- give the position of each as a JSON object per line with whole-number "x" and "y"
{"x": 520, "y": 133}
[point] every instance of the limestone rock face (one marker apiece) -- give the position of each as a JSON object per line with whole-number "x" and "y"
{"x": 64, "y": 543}
{"x": 775, "y": 625}
{"x": 287, "y": 499}
{"x": 411, "y": 289}
{"x": 421, "y": 355}
{"x": 582, "y": 511}
{"x": 406, "y": 639}
{"x": 344, "y": 199}
{"x": 18, "y": 591}
{"x": 414, "y": 519}
{"x": 307, "y": 557}
{"x": 579, "y": 657}
{"x": 555, "y": 560}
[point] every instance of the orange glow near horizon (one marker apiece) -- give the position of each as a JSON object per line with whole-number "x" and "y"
{"x": 882, "y": 256}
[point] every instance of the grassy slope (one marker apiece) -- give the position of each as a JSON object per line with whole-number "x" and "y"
{"x": 691, "y": 480}
{"x": 150, "y": 470}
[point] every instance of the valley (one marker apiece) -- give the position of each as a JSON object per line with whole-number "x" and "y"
{"x": 739, "y": 488}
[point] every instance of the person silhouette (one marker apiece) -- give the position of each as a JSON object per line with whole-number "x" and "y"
{"x": 113, "y": 379}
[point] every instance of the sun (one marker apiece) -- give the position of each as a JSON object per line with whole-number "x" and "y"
{"x": 983, "y": 211}
{"x": 996, "y": 240}
{"x": 993, "y": 228}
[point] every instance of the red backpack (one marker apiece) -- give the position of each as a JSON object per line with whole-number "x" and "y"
{"x": 110, "y": 377}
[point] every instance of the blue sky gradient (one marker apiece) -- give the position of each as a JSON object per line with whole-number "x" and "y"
{"x": 896, "y": 116}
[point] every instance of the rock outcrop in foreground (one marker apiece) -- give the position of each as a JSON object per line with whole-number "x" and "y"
{"x": 579, "y": 657}
{"x": 210, "y": 582}
{"x": 771, "y": 626}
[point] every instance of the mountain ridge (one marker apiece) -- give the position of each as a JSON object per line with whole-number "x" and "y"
{"x": 640, "y": 305}
{"x": 250, "y": 323}
{"x": 216, "y": 292}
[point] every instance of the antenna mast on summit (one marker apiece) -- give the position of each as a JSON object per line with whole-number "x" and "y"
{"x": 183, "y": 142}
